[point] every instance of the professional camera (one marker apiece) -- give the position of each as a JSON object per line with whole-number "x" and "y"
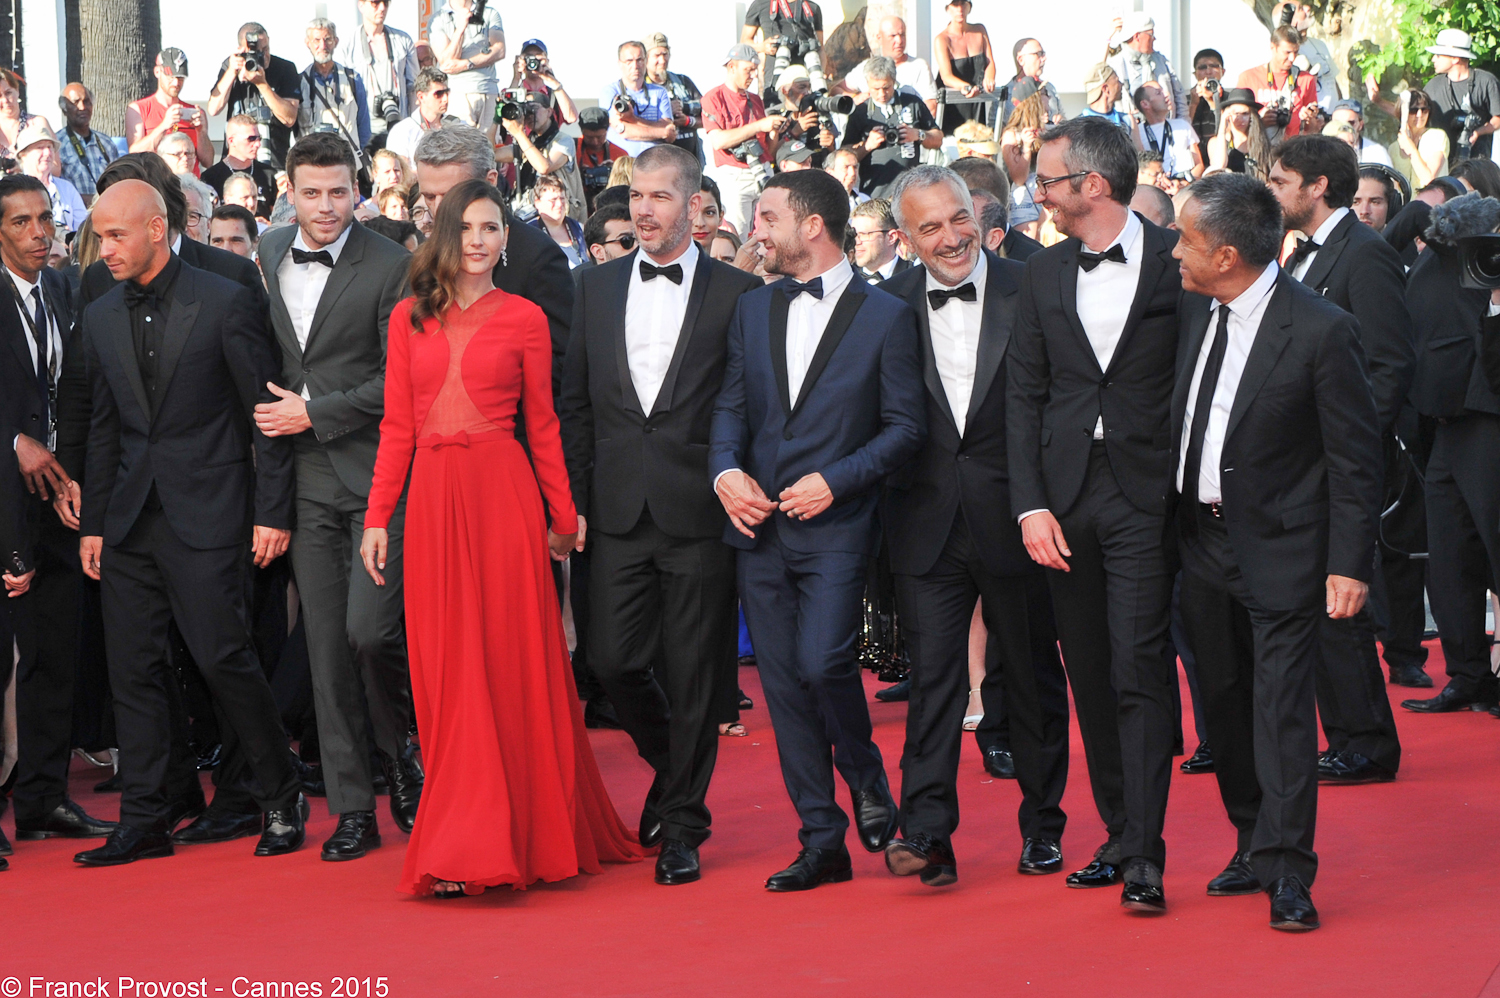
{"x": 692, "y": 108}
{"x": 1213, "y": 88}
{"x": 748, "y": 151}
{"x": 533, "y": 64}
{"x": 253, "y": 61}
{"x": 388, "y": 106}
{"x": 1479, "y": 261}
{"x": 512, "y": 104}
{"x": 825, "y": 103}
{"x": 1287, "y": 13}
{"x": 596, "y": 178}
{"x": 891, "y": 132}
{"x": 623, "y": 105}
{"x": 1466, "y": 136}
{"x": 1283, "y": 111}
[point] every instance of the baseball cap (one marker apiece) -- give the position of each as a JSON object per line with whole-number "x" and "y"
{"x": 534, "y": 43}
{"x": 657, "y": 40}
{"x": 1093, "y": 84}
{"x": 1350, "y": 105}
{"x": 593, "y": 117}
{"x": 175, "y": 60}
{"x": 741, "y": 53}
{"x": 796, "y": 151}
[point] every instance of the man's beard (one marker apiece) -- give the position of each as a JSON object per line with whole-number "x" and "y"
{"x": 785, "y": 260}
{"x": 671, "y": 237}
{"x": 1298, "y": 217}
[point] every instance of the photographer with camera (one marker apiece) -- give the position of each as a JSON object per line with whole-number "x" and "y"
{"x": 430, "y": 111}
{"x": 539, "y": 149}
{"x": 1289, "y": 97}
{"x": 791, "y": 31}
{"x": 1203, "y": 99}
{"x": 596, "y": 154}
{"x": 386, "y": 60}
{"x": 808, "y": 114}
{"x": 888, "y": 131}
{"x": 1132, "y": 54}
{"x": 1465, "y": 100}
{"x": 266, "y": 87}
{"x": 241, "y": 148}
{"x": 333, "y": 96}
{"x": 1313, "y": 55}
{"x": 687, "y": 99}
{"x": 1173, "y": 139}
{"x": 640, "y": 112}
{"x": 533, "y": 71}
{"x": 468, "y": 38}
{"x": 742, "y": 135}
{"x": 150, "y": 119}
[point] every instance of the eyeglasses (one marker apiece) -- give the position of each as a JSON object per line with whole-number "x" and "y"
{"x": 1045, "y": 182}
{"x": 873, "y": 234}
{"x": 194, "y": 217}
{"x": 626, "y": 241}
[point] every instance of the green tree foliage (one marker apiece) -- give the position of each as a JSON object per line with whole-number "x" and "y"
{"x": 1417, "y": 25}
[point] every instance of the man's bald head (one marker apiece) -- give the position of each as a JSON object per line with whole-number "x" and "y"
{"x": 130, "y": 219}
{"x": 892, "y": 37}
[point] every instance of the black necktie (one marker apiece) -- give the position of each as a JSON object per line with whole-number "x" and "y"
{"x": 317, "y": 256}
{"x": 39, "y": 333}
{"x": 813, "y": 287}
{"x": 938, "y": 297}
{"x": 1201, "y": 408}
{"x": 672, "y": 272}
{"x": 1305, "y": 249}
{"x": 1088, "y": 261}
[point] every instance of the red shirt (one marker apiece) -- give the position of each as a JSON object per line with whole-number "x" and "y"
{"x": 152, "y": 111}
{"x": 1268, "y": 86}
{"x": 725, "y": 109}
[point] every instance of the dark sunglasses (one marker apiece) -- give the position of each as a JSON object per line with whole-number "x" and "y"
{"x": 627, "y": 241}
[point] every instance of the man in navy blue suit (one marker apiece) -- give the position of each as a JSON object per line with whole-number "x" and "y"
{"x": 822, "y": 399}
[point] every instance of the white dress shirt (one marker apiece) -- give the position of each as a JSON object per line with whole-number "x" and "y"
{"x": 955, "y": 340}
{"x": 1105, "y": 295}
{"x": 54, "y": 336}
{"x": 302, "y": 286}
{"x": 1321, "y": 238}
{"x": 806, "y": 319}
{"x": 654, "y": 311}
{"x": 1245, "y": 314}
{"x": 1174, "y": 139}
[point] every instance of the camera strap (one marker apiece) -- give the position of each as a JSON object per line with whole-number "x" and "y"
{"x": 390, "y": 57}
{"x": 338, "y": 119}
{"x": 1289, "y": 87}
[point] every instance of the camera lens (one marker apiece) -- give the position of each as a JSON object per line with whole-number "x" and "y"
{"x": 1487, "y": 262}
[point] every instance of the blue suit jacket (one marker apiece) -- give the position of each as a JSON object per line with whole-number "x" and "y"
{"x": 860, "y": 415}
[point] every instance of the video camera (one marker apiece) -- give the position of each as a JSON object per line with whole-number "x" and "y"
{"x": 1479, "y": 261}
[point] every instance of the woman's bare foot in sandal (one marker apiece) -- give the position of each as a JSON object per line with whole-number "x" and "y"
{"x": 974, "y": 713}
{"x": 446, "y": 889}
{"x": 733, "y": 729}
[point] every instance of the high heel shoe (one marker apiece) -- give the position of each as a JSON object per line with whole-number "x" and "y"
{"x": 451, "y": 894}
{"x": 971, "y": 721}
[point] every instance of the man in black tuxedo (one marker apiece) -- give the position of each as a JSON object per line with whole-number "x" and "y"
{"x": 35, "y": 334}
{"x": 1315, "y": 178}
{"x": 953, "y": 542}
{"x": 1277, "y": 459}
{"x": 181, "y": 489}
{"x": 875, "y": 242}
{"x": 644, "y": 368}
{"x": 1090, "y": 389}
{"x": 990, "y": 186}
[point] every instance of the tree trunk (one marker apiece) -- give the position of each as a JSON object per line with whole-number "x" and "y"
{"x": 117, "y": 46}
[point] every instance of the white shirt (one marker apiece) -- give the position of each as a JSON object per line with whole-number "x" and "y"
{"x": 1176, "y": 149}
{"x": 654, "y": 312}
{"x": 955, "y": 340}
{"x": 54, "y": 337}
{"x": 1106, "y": 293}
{"x": 806, "y": 319}
{"x": 885, "y": 270}
{"x": 1245, "y": 314}
{"x": 404, "y": 135}
{"x": 1321, "y": 238}
{"x": 911, "y": 74}
{"x": 1373, "y": 152}
{"x": 302, "y": 286}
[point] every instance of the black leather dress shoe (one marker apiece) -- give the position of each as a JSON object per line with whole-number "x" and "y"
{"x": 405, "y": 779}
{"x": 1411, "y": 675}
{"x": 875, "y": 816}
{"x": 650, "y": 826}
{"x": 188, "y": 807}
{"x": 1452, "y": 698}
{"x": 126, "y": 845}
{"x": 113, "y": 785}
{"x": 4, "y": 864}
{"x": 309, "y": 776}
{"x": 895, "y": 694}
{"x": 1040, "y": 856}
{"x": 1104, "y": 871}
{"x": 1292, "y": 907}
{"x": 5, "y": 848}
{"x": 218, "y": 826}
{"x": 67, "y": 821}
{"x": 999, "y": 763}
{"x": 1201, "y": 761}
{"x": 811, "y": 868}
{"x": 1143, "y": 891}
{"x": 1351, "y": 768}
{"x": 600, "y": 713}
{"x": 210, "y": 758}
{"x": 923, "y": 854}
{"x": 285, "y": 831}
{"x": 677, "y": 863}
{"x": 1238, "y": 878}
{"x": 357, "y": 833}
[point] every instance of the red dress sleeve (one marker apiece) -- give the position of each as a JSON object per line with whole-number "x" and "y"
{"x": 397, "y": 429}
{"x": 541, "y": 421}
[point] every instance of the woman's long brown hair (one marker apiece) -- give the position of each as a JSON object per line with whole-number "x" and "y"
{"x": 436, "y": 264}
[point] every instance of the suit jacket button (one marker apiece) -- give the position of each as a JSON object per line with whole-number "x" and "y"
{"x": 786, "y": 435}
{"x": 650, "y": 429}
{"x": 307, "y": 370}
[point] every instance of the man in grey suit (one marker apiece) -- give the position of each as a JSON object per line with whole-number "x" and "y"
{"x": 332, "y": 284}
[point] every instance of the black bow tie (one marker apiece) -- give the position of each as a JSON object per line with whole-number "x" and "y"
{"x": 136, "y": 296}
{"x": 317, "y": 256}
{"x": 813, "y": 287}
{"x": 1088, "y": 261}
{"x": 1305, "y": 249}
{"x": 939, "y": 297}
{"x": 672, "y": 272}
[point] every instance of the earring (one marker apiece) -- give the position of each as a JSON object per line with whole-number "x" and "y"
{"x": 504, "y": 258}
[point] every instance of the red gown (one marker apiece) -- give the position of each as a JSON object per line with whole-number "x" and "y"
{"x": 512, "y": 794}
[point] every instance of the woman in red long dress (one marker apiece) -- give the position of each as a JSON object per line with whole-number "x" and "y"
{"x": 512, "y": 794}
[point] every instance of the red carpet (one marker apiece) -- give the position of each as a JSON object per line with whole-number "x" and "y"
{"x": 1407, "y": 895}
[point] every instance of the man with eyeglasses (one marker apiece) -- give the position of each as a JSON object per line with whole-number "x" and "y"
{"x": 241, "y": 155}
{"x": 431, "y": 112}
{"x": 875, "y": 241}
{"x": 609, "y": 233}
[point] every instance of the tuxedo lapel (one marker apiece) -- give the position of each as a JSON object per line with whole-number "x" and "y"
{"x": 780, "y": 307}
{"x": 838, "y": 324}
{"x": 344, "y": 272}
{"x": 1329, "y": 253}
{"x": 1068, "y": 293}
{"x": 1197, "y": 329}
{"x": 1154, "y": 260}
{"x": 1270, "y": 340}
{"x": 699, "y": 291}
{"x": 118, "y": 324}
{"x": 18, "y": 332}
{"x": 994, "y": 335}
{"x": 917, "y": 299}
{"x": 617, "y": 303}
{"x": 180, "y": 319}
{"x": 270, "y": 265}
